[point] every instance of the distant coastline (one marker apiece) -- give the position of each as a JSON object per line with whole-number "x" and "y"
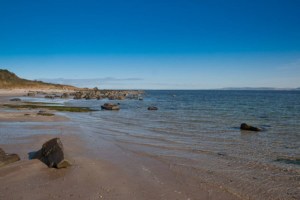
{"x": 258, "y": 88}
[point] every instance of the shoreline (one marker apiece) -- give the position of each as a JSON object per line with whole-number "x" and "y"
{"x": 102, "y": 170}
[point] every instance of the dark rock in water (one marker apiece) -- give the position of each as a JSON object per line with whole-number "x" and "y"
{"x": 65, "y": 96}
{"x": 110, "y": 106}
{"x": 289, "y": 160}
{"x": 15, "y": 99}
{"x": 152, "y": 108}
{"x": 7, "y": 158}
{"x": 52, "y": 154}
{"x": 247, "y": 127}
{"x": 31, "y": 94}
{"x": 49, "y": 97}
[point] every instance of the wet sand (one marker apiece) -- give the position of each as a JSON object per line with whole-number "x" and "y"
{"x": 101, "y": 169}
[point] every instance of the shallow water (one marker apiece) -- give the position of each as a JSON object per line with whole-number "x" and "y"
{"x": 198, "y": 132}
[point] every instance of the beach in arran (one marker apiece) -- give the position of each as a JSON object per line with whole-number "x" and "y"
{"x": 190, "y": 148}
{"x": 149, "y": 100}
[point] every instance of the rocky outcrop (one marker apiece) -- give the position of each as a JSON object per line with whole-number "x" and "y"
{"x": 152, "y": 108}
{"x": 110, "y": 106}
{"x": 52, "y": 154}
{"x": 6, "y": 159}
{"x": 247, "y": 127}
{"x": 109, "y": 94}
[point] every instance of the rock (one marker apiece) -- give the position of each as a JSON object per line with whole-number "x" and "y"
{"x": 44, "y": 113}
{"x": 78, "y": 95}
{"x": 65, "y": 96}
{"x": 7, "y": 158}
{"x": 49, "y": 97}
{"x": 31, "y": 94}
{"x": 52, "y": 154}
{"x": 247, "y": 127}
{"x": 64, "y": 164}
{"x": 110, "y": 106}
{"x": 15, "y": 99}
{"x": 41, "y": 92}
{"x": 152, "y": 108}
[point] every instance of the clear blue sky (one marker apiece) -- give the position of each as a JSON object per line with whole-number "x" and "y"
{"x": 158, "y": 44}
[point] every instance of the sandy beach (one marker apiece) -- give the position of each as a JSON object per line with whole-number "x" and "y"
{"x": 100, "y": 169}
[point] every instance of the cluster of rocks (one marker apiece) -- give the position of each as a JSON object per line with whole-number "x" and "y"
{"x": 51, "y": 153}
{"x": 109, "y": 94}
{"x": 92, "y": 94}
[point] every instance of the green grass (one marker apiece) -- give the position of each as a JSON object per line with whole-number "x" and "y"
{"x": 57, "y": 108}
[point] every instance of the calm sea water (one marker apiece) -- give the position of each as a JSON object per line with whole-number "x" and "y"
{"x": 198, "y": 131}
{"x": 206, "y": 121}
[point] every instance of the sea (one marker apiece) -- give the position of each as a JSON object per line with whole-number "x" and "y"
{"x": 199, "y": 131}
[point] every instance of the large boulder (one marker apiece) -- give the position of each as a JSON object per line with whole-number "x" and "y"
{"x": 7, "y": 158}
{"x": 52, "y": 154}
{"x": 247, "y": 127}
{"x": 110, "y": 106}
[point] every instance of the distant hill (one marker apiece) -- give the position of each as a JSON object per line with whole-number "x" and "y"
{"x": 9, "y": 80}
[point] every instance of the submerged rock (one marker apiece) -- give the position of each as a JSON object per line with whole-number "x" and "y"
{"x": 288, "y": 160}
{"x": 7, "y": 158}
{"x": 52, "y": 154}
{"x": 152, "y": 108}
{"x": 15, "y": 99}
{"x": 247, "y": 127}
{"x": 65, "y": 96}
{"x": 110, "y": 106}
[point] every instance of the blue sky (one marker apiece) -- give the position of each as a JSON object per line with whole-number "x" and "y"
{"x": 153, "y": 44}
